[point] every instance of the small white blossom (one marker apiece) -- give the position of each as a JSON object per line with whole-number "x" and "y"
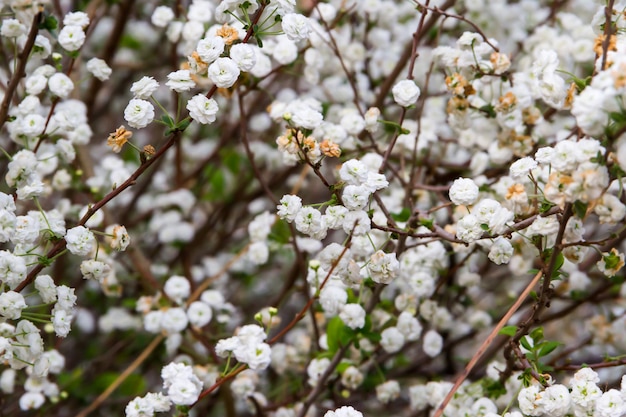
{"x": 80, "y": 241}
{"x": 139, "y": 113}
{"x": 463, "y": 191}
{"x": 405, "y": 93}
{"x": 99, "y": 68}
{"x": 223, "y": 72}
{"x": 144, "y": 88}
{"x": 353, "y": 315}
{"x": 161, "y": 16}
{"x": 71, "y": 37}
{"x": 244, "y": 56}
{"x": 296, "y": 26}
{"x": 180, "y": 81}
{"x": 202, "y": 109}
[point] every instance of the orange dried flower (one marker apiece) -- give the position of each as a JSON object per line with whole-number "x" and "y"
{"x": 117, "y": 139}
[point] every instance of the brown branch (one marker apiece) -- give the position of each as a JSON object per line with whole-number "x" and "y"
{"x": 20, "y": 70}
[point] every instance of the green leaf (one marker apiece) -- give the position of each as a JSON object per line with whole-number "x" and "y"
{"x": 168, "y": 121}
{"x": 545, "y": 206}
{"x": 525, "y": 344}
{"x": 49, "y": 23}
{"x": 490, "y": 110}
{"x": 560, "y": 259}
{"x": 537, "y": 334}
{"x": 484, "y": 226}
{"x": 280, "y": 232}
{"x": 333, "y": 333}
{"x": 403, "y": 216}
{"x": 183, "y": 124}
{"x": 548, "y": 347}
{"x": 493, "y": 388}
{"x": 580, "y": 209}
{"x": 508, "y": 330}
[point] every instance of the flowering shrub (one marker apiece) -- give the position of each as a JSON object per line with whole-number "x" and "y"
{"x": 343, "y": 208}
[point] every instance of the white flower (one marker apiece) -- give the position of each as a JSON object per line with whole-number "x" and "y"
{"x": 61, "y": 321}
{"x": 345, "y": 411}
{"x": 174, "y": 320}
{"x": 60, "y": 85}
{"x": 71, "y": 37}
{"x": 354, "y": 172}
{"x": 99, "y": 68}
{"x": 296, "y": 26}
{"x": 351, "y": 378}
{"x": 289, "y": 206}
{"x": 355, "y": 197}
{"x": 210, "y": 48}
{"x": 383, "y": 267}
{"x": 31, "y": 401}
{"x": 202, "y": 109}
{"x": 392, "y": 340}
{"x": 303, "y": 114}
{"x": 180, "y": 81}
{"x": 185, "y": 391}
{"x": 353, "y": 315}
{"x": 409, "y": 326}
{"x": 388, "y": 391}
{"x": 223, "y": 72}
{"x": 46, "y": 287}
{"x": 76, "y": 18}
{"x": 92, "y": 269}
{"x": 315, "y": 369}
{"x": 555, "y": 400}
{"x": 528, "y": 401}
{"x": 405, "y": 93}
{"x": 144, "y": 88}
{"x": 139, "y": 113}
{"x": 256, "y": 355}
{"x": 12, "y": 28}
{"x": 308, "y": 220}
{"x": 433, "y": 342}
{"x": 501, "y": 251}
{"x": 177, "y": 288}
{"x": 35, "y": 84}
{"x": 118, "y": 237}
{"x": 199, "y": 314}
{"x": 161, "y": 16}
{"x": 611, "y": 404}
{"x": 357, "y": 222}
{"x": 244, "y": 56}
{"x": 80, "y": 241}
{"x": 522, "y": 167}
{"x": 285, "y": 51}
{"x": 463, "y": 191}
{"x": 11, "y": 304}
{"x": 332, "y": 299}
{"x": 468, "y": 229}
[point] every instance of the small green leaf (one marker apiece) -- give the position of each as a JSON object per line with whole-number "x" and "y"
{"x": 183, "y": 124}
{"x": 525, "y": 344}
{"x": 484, "y": 226}
{"x": 49, "y": 23}
{"x": 548, "y": 347}
{"x": 537, "y": 334}
{"x": 545, "y": 206}
{"x": 508, "y": 330}
{"x": 489, "y": 110}
{"x": 403, "y": 216}
{"x": 580, "y": 209}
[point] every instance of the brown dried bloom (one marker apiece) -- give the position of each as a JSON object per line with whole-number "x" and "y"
{"x": 500, "y": 62}
{"x": 599, "y": 42}
{"x": 149, "y": 151}
{"x": 458, "y": 85}
{"x": 229, "y": 34}
{"x": 506, "y": 102}
{"x": 196, "y": 64}
{"x": 330, "y": 148}
{"x": 118, "y": 138}
{"x": 569, "y": 98}
{"x": 619, "y": 76}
